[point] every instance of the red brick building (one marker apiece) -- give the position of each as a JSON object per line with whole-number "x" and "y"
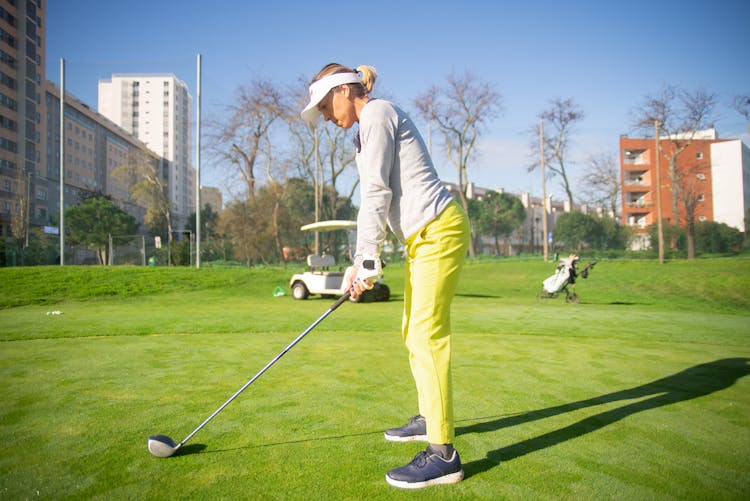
{"x": 701, "y": 177}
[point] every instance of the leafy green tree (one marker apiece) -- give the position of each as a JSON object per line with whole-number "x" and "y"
{"x": 712, "y": 237}
{"x": 576, "y": 231}
{"x": 91, "y": 222}
{"x": 674, "y": 234}
{"x": 211, "y": 247}
{"x": 209, "y": 220}
{"x": 498, "y": 215}
{"x": 613, "y": 234}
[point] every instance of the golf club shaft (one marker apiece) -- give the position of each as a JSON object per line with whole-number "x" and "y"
{"x": 335, "y": 305}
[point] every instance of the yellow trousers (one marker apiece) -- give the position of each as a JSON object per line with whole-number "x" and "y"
{"x": 435, "y": 257}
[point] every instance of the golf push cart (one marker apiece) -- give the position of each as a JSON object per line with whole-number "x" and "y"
{"x": 564, "y": 279}
{"x": 323, "y": 277}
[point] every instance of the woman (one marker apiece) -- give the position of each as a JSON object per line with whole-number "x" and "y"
{"x": 400, "y": 187}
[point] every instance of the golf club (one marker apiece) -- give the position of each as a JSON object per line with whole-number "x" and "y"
{"x": 163, "y": 446}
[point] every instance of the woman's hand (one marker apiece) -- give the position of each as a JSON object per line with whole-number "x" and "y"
{"x": 356, "y": 287}
{"x": 361, "y": 276}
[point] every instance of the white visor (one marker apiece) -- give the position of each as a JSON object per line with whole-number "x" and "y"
{"x": 320, "y": 89}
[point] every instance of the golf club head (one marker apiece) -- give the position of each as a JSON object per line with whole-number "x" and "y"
{"x": 162, "y": 446}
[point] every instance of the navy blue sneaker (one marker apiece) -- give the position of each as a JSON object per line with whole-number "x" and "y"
{"x": 427, "y": 468}
{"x": 415, "y": 429}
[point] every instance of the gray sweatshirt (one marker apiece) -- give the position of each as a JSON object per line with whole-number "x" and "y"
{"x": 398, "y": 182}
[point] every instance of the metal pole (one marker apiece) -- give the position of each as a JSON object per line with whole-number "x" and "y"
{"x": 544, "y": 193}
{"x": 659, "y": 228}
{"x": 198, "y": 170}
{"x": 27, "y": 209}
{"x": 317, "y": 192}
{"x": 62, "y": 162}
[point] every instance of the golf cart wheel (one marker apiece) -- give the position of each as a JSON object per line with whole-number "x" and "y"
{"x": 572, "y": 297}
{"x": 299, "y": 291}
{"x": 382, "y": 292}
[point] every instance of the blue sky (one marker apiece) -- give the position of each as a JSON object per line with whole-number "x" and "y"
{"x": 606, "y": 56}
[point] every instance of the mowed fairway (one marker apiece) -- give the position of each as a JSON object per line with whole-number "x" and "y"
{"x": 641, "y": 391}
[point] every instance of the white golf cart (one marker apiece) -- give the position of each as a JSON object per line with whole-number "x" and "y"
{"x": 323, "y": 276}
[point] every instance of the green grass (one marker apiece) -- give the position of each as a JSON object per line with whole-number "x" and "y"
{"x": 638, "y": 392}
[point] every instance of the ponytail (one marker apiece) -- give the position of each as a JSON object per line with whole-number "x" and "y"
{"x": 369, "y": 74}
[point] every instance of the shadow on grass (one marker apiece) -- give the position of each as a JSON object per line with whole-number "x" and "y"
{"x": 478, "y": 296}
{"x": 691, "y": 383}
{"x": 297, "y": 441}
{"x": 190, "y": 449}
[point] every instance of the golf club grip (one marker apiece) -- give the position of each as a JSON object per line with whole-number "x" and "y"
{"x": 335, "y": 305}
{"x": 340, "y": 301}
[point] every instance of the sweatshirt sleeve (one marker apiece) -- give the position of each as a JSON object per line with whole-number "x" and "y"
{"x": 375, "y": 162}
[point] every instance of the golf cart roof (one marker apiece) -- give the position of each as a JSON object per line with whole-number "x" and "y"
{"x": 330, "y": 225}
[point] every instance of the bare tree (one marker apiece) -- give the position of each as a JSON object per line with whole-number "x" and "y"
{"x": 276, "y": 174}
{"x": 460, "y": 110}
{"x": 338, "y": 160}
{"x": 559, "y": 123}
{"x": 601, "y": 182}
{"x": 681, "y": 115}
{"x": 324, "y": 154}
{"x": 304, "y": 136}
{"x": 143, "y": 175}
{"x": 741, "y": 103}
{"x": 246, "y": 232}
{"x": 688, "y": 189}
{"x": 239, "y": 141}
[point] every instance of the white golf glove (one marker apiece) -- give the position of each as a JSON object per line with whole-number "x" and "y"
{"x": 367, "y": 267}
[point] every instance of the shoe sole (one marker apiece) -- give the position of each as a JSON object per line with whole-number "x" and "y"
{"x": 451, "y": 478}
{"x": 409, "y": 438}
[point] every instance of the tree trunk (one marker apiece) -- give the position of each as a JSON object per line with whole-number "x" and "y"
{"x": 691, "y": 240}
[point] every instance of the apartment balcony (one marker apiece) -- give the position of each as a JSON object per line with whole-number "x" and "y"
{"x": 637, "y": 200}
{"x": 635, "y": 157}
{"x": 638, "y": 204}
{"x": 640, "y": 220}
{"x": 629, "y": 183}
{"x": 636, "y": 178}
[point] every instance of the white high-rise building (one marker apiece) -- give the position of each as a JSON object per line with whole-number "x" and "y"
{"x": 156, "y": 108}
{"x": 730, "y": 174}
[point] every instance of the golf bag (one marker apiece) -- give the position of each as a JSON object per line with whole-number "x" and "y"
{"x": 564, "y": 279}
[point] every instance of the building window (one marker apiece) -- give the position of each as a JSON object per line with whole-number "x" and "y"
{"x": 702, "y": 218}
{"x": 700, "y": 176}
{"x": 699, "y": 155}
{"x": 7, "y": 144}
{"x": 701, "y": 198}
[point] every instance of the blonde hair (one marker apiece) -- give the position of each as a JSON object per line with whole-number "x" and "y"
{"x": 368, "y": 75}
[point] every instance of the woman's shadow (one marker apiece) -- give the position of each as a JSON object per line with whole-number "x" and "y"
{"x": 691, "y": 383}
